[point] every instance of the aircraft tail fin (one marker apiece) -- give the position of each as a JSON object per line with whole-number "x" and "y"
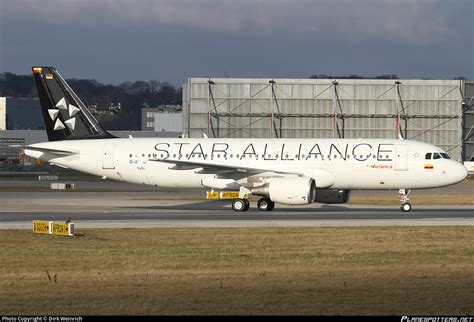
{"x": 65, "y": 116}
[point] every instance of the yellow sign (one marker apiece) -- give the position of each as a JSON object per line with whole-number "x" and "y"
{"x": 428, "y": 166}
{"x": 224, "y": 195}
{"x": 41, "y": 227}
{"x": 60, "y": 228}
{"x": 49, "y": 76}
{"x": 212, "y": 195}
{"x": 231, "y": 195}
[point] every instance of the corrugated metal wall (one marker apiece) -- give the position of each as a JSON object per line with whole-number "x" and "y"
{"x": 468, "y": 120}
{"x": 429, "y": 110}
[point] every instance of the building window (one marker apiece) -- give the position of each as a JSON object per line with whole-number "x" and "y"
{"x": 150, "y": 124}
{"x": 149, "y": 114}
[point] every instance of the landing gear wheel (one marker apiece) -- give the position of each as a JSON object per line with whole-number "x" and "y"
{"x": 265, "y": 204}
{"x": 240, "y": 205}
{"x": 406, "y": 207}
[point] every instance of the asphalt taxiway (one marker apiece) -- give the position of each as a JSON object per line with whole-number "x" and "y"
{"x": 145, "y": 209}
{"x": 103, "y": 203}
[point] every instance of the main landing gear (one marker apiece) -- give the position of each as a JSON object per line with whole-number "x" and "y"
{"x": 240, "y": 204}
{"x": 405, "y": 205}
{"x": 264, "y": 204}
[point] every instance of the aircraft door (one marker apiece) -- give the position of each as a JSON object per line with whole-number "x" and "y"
{"x": 401, "y": 157}
{"x": 108, "y": 156}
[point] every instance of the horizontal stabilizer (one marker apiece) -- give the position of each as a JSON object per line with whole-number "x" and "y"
{"x": 51, "y": 151}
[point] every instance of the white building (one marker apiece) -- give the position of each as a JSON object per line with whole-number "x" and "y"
{"x": 162, "y": 120}
{"x": 3, "y": 113}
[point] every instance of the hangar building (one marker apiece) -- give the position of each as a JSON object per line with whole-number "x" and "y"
{"x": 424, "y": 110}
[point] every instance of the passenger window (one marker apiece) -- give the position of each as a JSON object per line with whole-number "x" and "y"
{"x": 436, "y": 156}
{"x": 130, "y": 155}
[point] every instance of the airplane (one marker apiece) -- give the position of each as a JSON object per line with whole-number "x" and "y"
{"x": 286, "y": 171}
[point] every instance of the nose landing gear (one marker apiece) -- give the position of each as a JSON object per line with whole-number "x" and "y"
{"x": 405, "y": 205}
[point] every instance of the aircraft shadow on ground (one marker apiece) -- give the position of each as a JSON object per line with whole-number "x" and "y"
{"x": 225, "y": 205}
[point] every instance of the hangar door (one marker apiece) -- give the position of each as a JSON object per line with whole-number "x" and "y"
{"x": 108, "y": 156}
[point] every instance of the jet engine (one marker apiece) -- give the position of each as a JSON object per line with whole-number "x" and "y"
{"x": 290, "y": 191}
{"x": 332, "y": 196}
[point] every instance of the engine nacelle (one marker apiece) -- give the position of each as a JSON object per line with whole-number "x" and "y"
{"x": 332, "y": 196}
{"x": 290, "y": 191}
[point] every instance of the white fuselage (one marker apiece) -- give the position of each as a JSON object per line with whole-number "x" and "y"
{"x": 333, "y": 163}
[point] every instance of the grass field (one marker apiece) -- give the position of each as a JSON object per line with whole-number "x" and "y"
{"x": 346, "y": 270}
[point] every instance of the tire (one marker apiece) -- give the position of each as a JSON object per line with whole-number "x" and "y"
{"x": 271, "y": 206}
{"x": 265, "y": 204}
{"x": 240, "y": 205}
{"x": 247, "y": 204}
{"x": 406, "y": 207}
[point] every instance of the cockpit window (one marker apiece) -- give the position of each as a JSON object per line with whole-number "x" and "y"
{"x": 445, "y": 156}
{"x": 428, "y": 156}
{"x": 436, "y": 156}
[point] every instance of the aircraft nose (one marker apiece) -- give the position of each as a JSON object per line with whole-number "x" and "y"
{"x": 460, "y": 172}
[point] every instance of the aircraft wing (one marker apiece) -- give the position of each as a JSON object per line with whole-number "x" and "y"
{"x": 214, "y": 167}
{"x": 324, "y": 179}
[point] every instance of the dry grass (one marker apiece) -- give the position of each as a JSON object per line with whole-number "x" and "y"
{"x": 394, "y": 270}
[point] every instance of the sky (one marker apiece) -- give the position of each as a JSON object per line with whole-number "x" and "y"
{"x": 114, "y": 41}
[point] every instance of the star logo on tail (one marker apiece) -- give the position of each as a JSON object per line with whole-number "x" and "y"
{"x": 72, "y": 111}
